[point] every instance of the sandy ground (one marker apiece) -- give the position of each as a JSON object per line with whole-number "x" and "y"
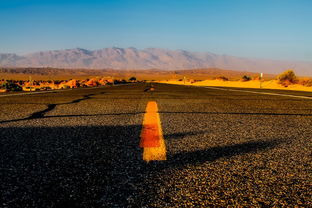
{"x": 250, "y": 84}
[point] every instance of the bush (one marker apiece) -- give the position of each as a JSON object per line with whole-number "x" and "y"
{"x": 306, "y": 82}
{"x": 10, "y": 86}
{"x": 257, "y": 78}
{"x": 245, "y": 78}
{"x": 287, "y": 78}
{"x": 222, "y": 78}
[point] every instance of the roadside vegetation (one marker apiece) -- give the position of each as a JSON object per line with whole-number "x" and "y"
{"x": 287, "y": 78}
{"x": 37, "y": 85}
{"x": 245, "y": 78}
{"x": 11, "y": 85}
{"x": 222, "y": 78}
{"x": 307, "y": 82}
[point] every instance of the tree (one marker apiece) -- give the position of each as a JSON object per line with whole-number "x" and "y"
{"x": 132, "y": 79}
{"x": 246, "y": 78}
{"x": 9, "y": 85}
{"x": 287, "y": 77}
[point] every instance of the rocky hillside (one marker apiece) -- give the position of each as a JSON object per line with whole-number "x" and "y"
{"x": 151, "y": 58}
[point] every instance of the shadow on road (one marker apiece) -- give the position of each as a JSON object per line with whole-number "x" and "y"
{"x": 89, "y": 166}
{"x": 69, "y": 166}
{"x": 215, "y": 153}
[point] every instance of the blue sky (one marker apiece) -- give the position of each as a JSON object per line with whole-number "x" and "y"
{"x": 273, "y": 29}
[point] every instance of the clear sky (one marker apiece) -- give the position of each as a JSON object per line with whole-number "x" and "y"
{"x": 274, "y": 29}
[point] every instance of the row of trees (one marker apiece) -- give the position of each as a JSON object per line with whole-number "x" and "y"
{"x": 11, "y": 86}
{"x": 16, "y": 85}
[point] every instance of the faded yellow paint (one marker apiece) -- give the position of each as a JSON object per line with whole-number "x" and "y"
{"x": 152, "y": 139}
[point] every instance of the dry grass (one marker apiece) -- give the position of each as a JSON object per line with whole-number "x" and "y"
{"x": 273, "y": 84}
{"x": 149, "y": 74}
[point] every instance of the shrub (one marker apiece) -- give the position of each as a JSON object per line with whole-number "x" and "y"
{"x": 245, "y": 78}
{"x": 306, "y": 82}
{"x": 222, "y": 78}
{"x": 287, "y": 78}
{"x": 10, "y": 86}
{"x": 257, "y": 77}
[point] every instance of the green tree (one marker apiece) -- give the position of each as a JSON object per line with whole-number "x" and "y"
{"x": 9, "y": 85}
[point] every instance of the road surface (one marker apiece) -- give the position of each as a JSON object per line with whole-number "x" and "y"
{"x": 81, "y": 148}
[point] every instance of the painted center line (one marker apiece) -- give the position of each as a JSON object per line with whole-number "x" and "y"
{"x": 264, "y": 93}
{"x": 152, "y": 140}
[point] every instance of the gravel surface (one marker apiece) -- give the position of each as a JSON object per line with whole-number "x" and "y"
{"x": 80, "y": 148}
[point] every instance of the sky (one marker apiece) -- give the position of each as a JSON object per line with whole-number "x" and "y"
{"x": 270, "y": 29}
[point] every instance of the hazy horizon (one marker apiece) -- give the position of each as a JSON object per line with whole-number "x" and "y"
{"x": 152, "y": 58}
{"x": 145, "y": 48}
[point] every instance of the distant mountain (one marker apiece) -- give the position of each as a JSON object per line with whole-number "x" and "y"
{"x": 150, "y": 58}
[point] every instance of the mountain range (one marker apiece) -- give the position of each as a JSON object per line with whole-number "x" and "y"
{"x": 150, "y": 58}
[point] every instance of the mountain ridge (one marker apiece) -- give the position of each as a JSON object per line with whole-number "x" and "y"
{"x": 149, "y": 58}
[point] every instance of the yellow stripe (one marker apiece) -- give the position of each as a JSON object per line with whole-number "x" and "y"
{"x": 159, "y": 152}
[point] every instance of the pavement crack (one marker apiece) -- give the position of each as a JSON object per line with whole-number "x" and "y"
{"x": 85, "y": 97}
{"x": 40, "y": 114}
{"x": 50, "y": 107}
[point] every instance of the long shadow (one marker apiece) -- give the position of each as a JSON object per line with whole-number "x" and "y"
{"x": 214, "y": 153}
{"x": 90, "y": 166}
{"x": 69, "y": 166}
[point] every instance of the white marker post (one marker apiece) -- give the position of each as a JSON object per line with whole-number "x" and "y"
{"x": 261, "y": 75}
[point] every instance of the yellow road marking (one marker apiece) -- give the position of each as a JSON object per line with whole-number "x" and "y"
{"x": 152, "y": 139}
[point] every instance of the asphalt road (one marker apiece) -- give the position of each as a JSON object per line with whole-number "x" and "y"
{"x": 80, "y": 148}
